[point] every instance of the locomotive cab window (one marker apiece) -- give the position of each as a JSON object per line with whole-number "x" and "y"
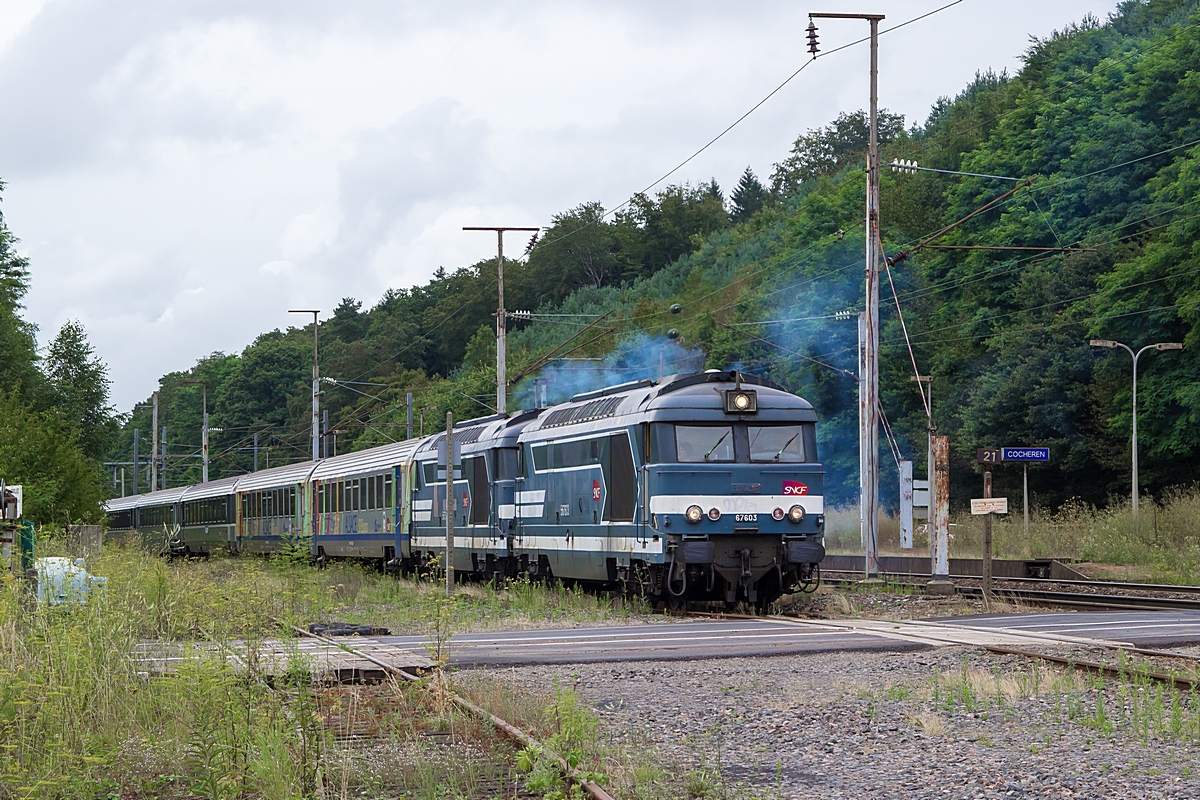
{"x": 777, "y": 443}
{"x": 703, "y": 444}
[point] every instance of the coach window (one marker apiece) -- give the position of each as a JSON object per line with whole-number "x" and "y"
{"x": 696, "y": 444}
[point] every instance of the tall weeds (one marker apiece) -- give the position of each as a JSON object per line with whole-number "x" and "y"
{"x": 1164, "y": 546}
{"x": 154, "y": 689}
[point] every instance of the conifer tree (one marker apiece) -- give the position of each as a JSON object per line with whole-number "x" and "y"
{"x": 748, "y": 197}
{"x": 79, "y": 389}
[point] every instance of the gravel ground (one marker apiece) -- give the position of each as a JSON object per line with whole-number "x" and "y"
{"x": 866, "y": 725}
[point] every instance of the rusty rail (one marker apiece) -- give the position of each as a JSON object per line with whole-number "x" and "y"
{"x": 594, "y": 789}
{"x": 1096, "y": 668}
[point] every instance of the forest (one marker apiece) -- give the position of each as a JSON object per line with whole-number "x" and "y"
{"x": 1102, "y": 116}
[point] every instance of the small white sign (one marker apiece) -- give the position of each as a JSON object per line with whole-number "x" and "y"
{"x": 989, "y": 505}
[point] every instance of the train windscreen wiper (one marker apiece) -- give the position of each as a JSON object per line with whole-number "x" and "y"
{"x": 786, "y": 446}
{"x": 718, "y": 444}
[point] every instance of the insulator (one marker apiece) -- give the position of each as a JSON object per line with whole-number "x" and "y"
{"x": 812, "y": 38}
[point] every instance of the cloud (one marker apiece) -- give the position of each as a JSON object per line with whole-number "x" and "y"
{"x": 290, "y": 153}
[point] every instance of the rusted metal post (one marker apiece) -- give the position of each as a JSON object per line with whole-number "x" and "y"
{"x": 987, "y": 540}
{"x": 939, "y": 517}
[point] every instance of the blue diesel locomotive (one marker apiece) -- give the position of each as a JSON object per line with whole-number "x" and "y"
{"x": 700, "y": 487}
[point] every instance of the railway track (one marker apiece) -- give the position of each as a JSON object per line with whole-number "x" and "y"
{"x": 570, "y": 773}
{"x": 1078, "y": 594}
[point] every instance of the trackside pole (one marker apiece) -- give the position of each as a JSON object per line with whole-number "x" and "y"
{"x": 939, "y": 518}
{"x": 987, "y": 540}
{"x": 906, "y": 505}
{"x": 862, "y": 438}
{"x": 1025, "y": 497}
{"x": 449, "y": 504}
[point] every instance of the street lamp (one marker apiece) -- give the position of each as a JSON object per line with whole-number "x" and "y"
{"x": 1159, "y": 347}
{"x": 316, "y": 385}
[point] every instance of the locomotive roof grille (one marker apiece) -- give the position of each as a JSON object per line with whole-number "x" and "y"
{"x": 618, "y": 389}
{"x": 462, "y": 436}
{"x": 597, "y": 409}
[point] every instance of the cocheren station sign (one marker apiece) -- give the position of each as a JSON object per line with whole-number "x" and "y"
{"x": 1024, "y": 453}
{"x": 1018, "y": 454}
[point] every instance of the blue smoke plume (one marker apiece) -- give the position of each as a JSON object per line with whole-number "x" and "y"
{"x": 635, "y": 358}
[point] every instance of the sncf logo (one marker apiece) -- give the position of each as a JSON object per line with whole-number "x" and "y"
{"x": 595, "y": 490}
{"x": 794, "y": 487}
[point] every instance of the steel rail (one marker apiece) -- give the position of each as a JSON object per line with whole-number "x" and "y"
{"x": 1096, "y": 668}
{"x": 1128, "y": 602}
{"x": 596, "y": 791}
{"x": 1072, "y": 599}
{"x": 1144, "y": 587}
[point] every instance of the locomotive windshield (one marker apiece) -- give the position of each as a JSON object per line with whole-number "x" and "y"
{"x": 695, "y": 444}
{"x": 738, "y": 442}
{"x": 777, "y": 444}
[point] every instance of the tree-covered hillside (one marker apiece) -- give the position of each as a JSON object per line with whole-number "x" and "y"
{"x": 1104, "y": 117}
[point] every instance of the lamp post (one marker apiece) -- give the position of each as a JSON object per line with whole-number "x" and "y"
{"x": 316, "y": 385}
{"x": 1159, "y": 347}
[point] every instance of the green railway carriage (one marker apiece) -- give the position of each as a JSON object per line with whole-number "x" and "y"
{"x": 207, "y": 516}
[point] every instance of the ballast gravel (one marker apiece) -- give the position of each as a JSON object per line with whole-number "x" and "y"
{"x": 867, "y": 725}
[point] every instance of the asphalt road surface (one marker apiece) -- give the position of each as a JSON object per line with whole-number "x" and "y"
{"x": 697, "y": 639}
{"x": 1140, "y": 628}
{"x": 658, "y": 642}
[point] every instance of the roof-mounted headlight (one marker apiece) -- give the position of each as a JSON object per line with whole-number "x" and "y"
{"x": 741, "y": 401}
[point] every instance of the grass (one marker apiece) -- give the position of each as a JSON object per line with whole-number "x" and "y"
{"x": 1133, "y": 704}
{"x": 80, "y": 717}
{"x": 1164, "y": 547}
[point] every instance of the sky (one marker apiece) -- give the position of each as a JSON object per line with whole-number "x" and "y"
{"x": 181, "y": 174}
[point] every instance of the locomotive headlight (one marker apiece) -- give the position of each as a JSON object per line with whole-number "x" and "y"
{"x": 714, "y": 514}
{"x": 777, "y": 514}
{"x": 796, "y": 514}
{"x": 693, "y": 514}
{"x": 741, "y": 401}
